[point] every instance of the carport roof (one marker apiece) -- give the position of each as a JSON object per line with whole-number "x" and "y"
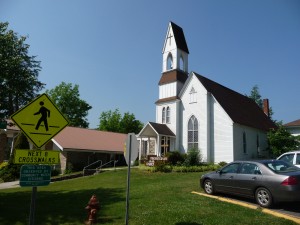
{"x": 74, "y": 138}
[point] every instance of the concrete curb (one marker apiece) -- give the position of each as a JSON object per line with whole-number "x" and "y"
{"x": 251, "y": 206}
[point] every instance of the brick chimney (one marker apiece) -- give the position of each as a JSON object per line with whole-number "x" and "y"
{"x": 266, "y": 108}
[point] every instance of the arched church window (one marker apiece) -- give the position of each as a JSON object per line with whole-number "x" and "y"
{"x": 181, "y": 63}
{"x": 168, "y": 115}
{"x": 193, "y": 133}
{"x": 170, "y": 62}
{"x": 193, "y": 95}
{"x": 163, "y": 115}
{"x": 244, "y": 142}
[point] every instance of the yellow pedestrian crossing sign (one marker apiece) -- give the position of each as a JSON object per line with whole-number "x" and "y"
{"x": 40, "y": 120}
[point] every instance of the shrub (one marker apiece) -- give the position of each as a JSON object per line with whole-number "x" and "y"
{"x": 175, "y": 158}
{"x": 161, "y": 166}
{"x": 222, "y": 163}
{"x": 10, "y": 172}
{"x": 69, "y": 168}
{"x": 193, "y": 157}
{"x": 55, "y": 173}
{"x": 2, "y": 165}
{"x": 136, "y": 162}
{"x": 187, "y": 169}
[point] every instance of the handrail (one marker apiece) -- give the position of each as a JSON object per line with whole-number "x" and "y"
{"x": 91, "y": 165}
{"x": 98, "y": 169}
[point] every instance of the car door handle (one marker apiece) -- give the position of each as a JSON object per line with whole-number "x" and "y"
{"x": 231, "y": 177}
{"x": 253, "y": 178}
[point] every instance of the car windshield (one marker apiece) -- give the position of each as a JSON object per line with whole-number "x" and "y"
{"x": 279, "y": 166}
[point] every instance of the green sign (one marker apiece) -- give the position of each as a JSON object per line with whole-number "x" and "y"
{"x": 3, "y": 124}
{"x": 35, "y": 175}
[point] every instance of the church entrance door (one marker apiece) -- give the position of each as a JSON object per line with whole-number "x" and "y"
{"x": 165, "y": 145}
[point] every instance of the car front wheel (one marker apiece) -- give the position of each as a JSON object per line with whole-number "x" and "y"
{"x": 263, "y": 197}
{"x": 208, "y": 187}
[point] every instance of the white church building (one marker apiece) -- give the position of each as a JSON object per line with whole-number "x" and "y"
{"x": 193, "y": 111}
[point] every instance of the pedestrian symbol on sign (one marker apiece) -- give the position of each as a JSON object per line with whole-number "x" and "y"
{"x": 45, "y": 113}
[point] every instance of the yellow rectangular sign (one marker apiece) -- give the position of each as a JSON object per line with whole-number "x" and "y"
{"x": 36, "y": 156}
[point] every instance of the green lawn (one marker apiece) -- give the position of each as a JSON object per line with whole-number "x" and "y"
{"x": 155, "y": 198}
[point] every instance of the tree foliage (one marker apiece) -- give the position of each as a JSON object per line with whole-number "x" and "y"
{"x": 115, "y": 122}
{"x": 281, "y": 141}
{"x": 67, "y": 99}
{"x": 19, "y": 82}
{"x": 255, "y": 95}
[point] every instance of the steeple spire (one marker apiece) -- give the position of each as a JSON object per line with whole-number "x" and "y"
{"x": 175, "y": 50}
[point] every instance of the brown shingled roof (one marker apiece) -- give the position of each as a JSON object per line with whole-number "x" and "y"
{"x": 94, "y": 140}
{"x": 295, "y": 123}
{"x": 162, "y": 129}
{"x": 166, "y": 99}
{"x": 241, "y": 109}
{"x": 172, "y": 76}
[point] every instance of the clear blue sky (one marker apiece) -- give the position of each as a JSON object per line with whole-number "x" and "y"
{"x": 113, "y": 49}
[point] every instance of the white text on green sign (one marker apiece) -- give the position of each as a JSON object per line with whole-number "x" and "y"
{"x": 35, "y": 175}
{"x": 36, "y": 156}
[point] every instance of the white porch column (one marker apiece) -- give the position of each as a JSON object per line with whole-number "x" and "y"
{"x": 148, "y": 146}
{"x": 158, "y": 143}
{"x": 140, "y": 149}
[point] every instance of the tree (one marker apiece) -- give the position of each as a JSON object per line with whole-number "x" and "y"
{"x": 255, "y": 95}
{"x": 67, "y": 99}
{"x": 129, "y": 124}
{"x": 113, "y": 121}
{"x": 281, "y": 141}
{"x": 19, "y": 82}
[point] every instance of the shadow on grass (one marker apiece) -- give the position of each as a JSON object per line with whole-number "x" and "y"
{"x": 56, "y": 208}
{"x": 188, "y": 223}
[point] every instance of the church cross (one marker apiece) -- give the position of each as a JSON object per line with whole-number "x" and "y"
{"x": 169, "y": 37}
{"x": 165, "y": 145}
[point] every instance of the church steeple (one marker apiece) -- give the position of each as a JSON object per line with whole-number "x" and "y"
{"x": 175, "y": 50}
{"x": 175, "y": 63}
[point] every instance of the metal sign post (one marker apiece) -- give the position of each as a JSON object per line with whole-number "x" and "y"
{"x": 131, "y": 152}
{"x": 128, "y": 179}
{"x": 34, "y": 175}
{"x": 32, "y": 206}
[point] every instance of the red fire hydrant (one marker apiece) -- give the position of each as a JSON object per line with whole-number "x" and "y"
{"x": 92, "y": 208}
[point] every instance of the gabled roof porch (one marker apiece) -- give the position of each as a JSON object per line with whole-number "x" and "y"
{"x": 156, "y": 140}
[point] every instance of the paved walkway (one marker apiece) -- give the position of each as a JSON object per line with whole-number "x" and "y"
{"x": 12, "y": 184}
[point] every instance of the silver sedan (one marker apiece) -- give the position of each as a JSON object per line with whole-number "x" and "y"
{"x": 268, "y": 181}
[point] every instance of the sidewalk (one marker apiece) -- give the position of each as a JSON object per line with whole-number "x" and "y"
{"x": 12, "y": 184}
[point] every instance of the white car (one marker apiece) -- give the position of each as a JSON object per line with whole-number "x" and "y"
{"x": 291, "y": 157}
